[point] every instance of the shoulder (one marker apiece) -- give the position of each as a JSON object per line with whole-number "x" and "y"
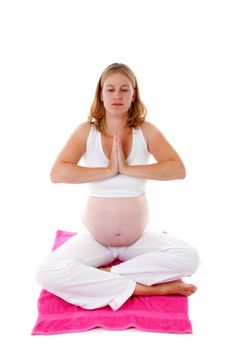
{"x": 157, "y": 144}
{"x": 76, "y": 144}
{"x": 79, "y": 136}
{"x": 83, "y": 129}
{"x": 149, "y": 130}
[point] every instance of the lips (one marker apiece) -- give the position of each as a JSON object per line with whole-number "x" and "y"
{"x": 117, "y": 104}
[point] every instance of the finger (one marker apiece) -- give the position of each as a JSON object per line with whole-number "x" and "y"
{"x": 115, "y": 138}
{"x": 119, "y": 144}
{"x": 114, "y": 142}
{"x": 120, "y": 152}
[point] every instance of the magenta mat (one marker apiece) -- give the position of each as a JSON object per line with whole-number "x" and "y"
{"x": 166, "y": 314}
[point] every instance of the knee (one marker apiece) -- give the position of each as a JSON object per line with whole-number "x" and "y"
{"x": 42, "y": 274}
{"x": 54, "y": 270}
{"x": 191, "y": 260}
{"x": 48, "y": 271}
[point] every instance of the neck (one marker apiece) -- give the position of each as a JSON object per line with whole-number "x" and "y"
{"x": 116, "y": 124}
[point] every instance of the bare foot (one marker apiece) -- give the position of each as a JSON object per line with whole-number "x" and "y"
{"x": 177, "y": 287}
{"x": 105, "y": 268}
{"x": 174, "y": 287}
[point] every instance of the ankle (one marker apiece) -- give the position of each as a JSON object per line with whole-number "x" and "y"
{"x": 141, "y": 289}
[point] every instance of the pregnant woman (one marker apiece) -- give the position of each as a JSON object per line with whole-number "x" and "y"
{"x": 115, "y": 145}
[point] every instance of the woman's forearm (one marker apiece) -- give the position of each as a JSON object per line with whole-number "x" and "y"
{"x": 164, "y": 170}
{"x": 75, "y": 174}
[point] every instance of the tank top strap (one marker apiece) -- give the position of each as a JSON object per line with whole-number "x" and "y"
{"x": 141, "y": 136}
{"x": 91, "y": 139}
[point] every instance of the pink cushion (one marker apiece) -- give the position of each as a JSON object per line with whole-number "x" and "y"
{"x": 168, "y": 314}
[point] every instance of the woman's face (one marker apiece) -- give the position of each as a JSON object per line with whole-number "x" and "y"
{"x": 117, "y": 94}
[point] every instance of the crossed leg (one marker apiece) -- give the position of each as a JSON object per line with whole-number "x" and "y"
{"x": 175, "y": 287}
{"x": 153, "y": 265}
{"x": 152, "y": 248}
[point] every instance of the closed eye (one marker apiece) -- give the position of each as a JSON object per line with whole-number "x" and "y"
{"x": 121, "y": 90}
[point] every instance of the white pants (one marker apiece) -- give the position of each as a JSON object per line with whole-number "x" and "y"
{"x": 71, "y": 273}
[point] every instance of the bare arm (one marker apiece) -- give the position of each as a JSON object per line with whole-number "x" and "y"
{"x": 66, "y": 168}
{"x": 168, "y": 166}
{"x": 165, "y": 170}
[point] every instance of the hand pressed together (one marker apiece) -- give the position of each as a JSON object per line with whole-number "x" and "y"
{"x": 122, "y": 163}
{"x": 117, "y": 161}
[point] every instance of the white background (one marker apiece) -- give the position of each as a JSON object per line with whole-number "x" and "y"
{"x": 52, "y": 54}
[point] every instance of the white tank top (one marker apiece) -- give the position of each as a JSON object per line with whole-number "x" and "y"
{"x": 119, "y": 185}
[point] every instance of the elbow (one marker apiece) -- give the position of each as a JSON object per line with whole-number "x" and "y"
{"x": 53, "y": 178}
{"x": 54, "y": 174}
{"x": 183, "y": 175}
{"x": 182, "y": 172}
{"x": 179, "y": 171}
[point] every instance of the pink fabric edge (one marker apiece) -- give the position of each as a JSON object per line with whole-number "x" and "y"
{"x": 156, "y": 328}
{"x": 152, "y": 322}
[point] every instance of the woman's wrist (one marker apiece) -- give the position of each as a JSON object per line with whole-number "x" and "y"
{"x": 110, "y": 172}
{"x": 125, "y": 170}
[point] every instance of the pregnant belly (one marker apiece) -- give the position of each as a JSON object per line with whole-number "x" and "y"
{"x": 116, "y": 221}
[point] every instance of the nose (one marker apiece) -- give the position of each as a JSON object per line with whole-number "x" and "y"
{"x": 117, "y": 94}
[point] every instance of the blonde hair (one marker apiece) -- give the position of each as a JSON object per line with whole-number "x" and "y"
{"x": 137, "y": 111}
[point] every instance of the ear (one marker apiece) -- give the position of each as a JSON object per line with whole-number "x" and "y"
{"x": 133, "y": 96}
